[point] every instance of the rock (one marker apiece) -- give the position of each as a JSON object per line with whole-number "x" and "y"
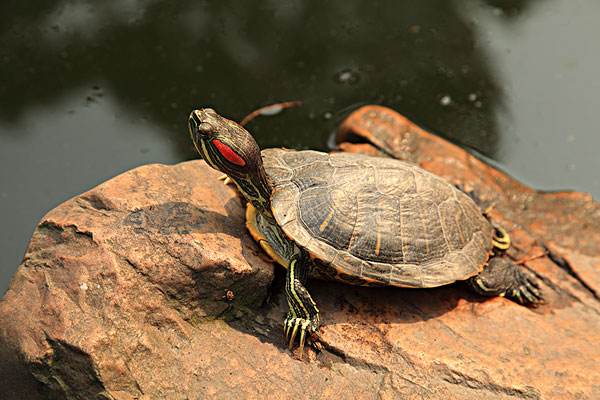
{"x": 117, "y": 284}
{"x": 148, "y": 287}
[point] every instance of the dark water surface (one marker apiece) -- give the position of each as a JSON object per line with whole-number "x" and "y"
{"x": 89, "y": 89}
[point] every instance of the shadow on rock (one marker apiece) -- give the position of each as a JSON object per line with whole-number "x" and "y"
{"x": 351, "y": 307}
{"x": 186, "y": 218}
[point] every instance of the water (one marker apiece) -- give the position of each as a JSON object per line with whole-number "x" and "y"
{"x": 91, "y": 89}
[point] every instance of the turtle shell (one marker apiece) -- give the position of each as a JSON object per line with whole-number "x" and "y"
{"x": 377, "y": 220}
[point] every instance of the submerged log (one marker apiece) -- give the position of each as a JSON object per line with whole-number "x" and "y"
{"x": 149, "y": 287}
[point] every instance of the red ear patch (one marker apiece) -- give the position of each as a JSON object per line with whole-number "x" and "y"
{"x": 228, "y": 153}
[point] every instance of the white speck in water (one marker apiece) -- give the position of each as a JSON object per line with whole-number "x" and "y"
{"x": 472, "y": 97}
{"x": 344, "y": 76}
{"x": 83, "y": 286}
{"x": 570, "y": 138}
{"x": 478, "y": 104}
{"x": 327, "y": 115}
{"x": 347, "y": 76}
{"x": 497, "y": 11}
{"x": 571, "y": 167}
{"x": 446, "y": 100}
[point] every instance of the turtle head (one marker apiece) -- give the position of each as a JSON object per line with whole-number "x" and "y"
{"x": 228, "y": 147}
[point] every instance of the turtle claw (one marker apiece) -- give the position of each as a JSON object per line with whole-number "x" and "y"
{"x": 294, "y": 326}
{"x": 302, "y": 339}
{"x": 226, "y": 179}
{"x": 527, "y": 292}
{"x": 292, "y": 336}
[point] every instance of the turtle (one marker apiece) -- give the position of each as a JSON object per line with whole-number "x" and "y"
{"x": 358, "y": 219}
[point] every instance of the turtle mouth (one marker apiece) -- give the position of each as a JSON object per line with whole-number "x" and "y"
{"x": 196, "y": 136}
{"x": 194, "y": 122}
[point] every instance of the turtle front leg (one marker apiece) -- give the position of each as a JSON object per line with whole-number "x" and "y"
{"x": 502, "y": 277}
{"x": 303, "y": 317}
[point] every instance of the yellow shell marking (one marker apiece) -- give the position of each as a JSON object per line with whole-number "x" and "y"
{"x": 326, "y": 221}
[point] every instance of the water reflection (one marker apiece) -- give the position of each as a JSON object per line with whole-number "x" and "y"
{"x": 90, "y": 88}
{"x": 163, "y": 58}
{"x": 548, "y": 63}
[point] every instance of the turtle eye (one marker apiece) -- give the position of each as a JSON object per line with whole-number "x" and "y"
{"x": 205, "y": 129}
{"x": 228, "y": 153}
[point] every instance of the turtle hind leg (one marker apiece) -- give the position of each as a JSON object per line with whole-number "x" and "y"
{"x": 502, "y": 277}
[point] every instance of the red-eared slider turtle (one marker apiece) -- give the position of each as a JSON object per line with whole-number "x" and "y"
{"x": 357, "y": 219}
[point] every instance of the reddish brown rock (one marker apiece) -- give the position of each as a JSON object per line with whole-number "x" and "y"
{"x": 149, "y": 287}
{"x": 116, "y": 282}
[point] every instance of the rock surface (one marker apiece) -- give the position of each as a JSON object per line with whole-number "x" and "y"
{"x": 149, "y": 287}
